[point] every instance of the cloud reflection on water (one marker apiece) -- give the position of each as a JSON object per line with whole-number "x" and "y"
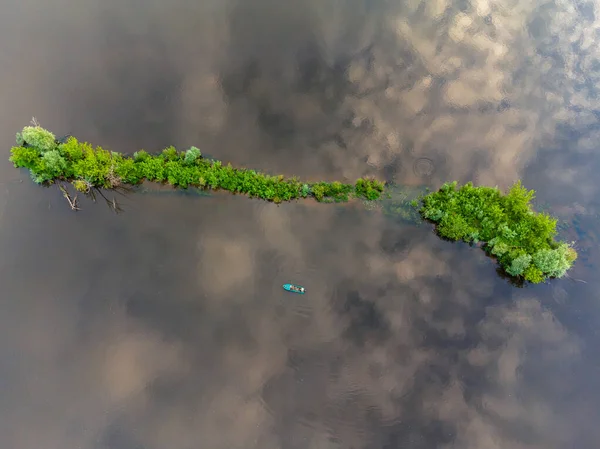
{"x": 166, "y": 327}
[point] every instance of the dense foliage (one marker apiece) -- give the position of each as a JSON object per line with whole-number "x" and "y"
{"x": 521, "y": 239}
{"x": 86, "y": 167}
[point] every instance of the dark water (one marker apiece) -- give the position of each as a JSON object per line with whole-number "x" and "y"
{"x": 166, "y": 326}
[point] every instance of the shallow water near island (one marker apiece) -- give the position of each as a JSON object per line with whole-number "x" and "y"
{"x": 167, "y": 325}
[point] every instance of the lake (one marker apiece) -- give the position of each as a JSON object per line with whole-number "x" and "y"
{"x": 166, "y": 326}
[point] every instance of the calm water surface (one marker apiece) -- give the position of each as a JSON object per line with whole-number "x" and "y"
{"x": 166, "y": 326}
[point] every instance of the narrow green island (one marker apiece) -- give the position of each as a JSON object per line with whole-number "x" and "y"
{"x": 50, "y": 160}
{"x": 522, "y": 240}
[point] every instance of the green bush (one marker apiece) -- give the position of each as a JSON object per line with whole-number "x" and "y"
{"x": 26, "y": 157}
{"x": 192, "y": 155}
{"x": 37, "y": 137}
{"x": 368, "y": 189}
{"x": 555, "y": 261}
{"x": 140, "y": 156}
{"x": 521, "y": 239}
{"x": 53, "y": 164}
{"x": 518, "y": 265}
{"x": 305, "y": 191}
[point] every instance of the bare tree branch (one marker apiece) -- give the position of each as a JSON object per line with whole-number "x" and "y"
{"x": 72, "y": 201}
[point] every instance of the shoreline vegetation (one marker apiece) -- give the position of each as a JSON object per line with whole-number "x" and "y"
{"x": 504, "y": 225}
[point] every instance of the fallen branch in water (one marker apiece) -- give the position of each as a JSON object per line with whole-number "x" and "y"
{"x": 576, "y": 280}
{"x": 72, "y": 201}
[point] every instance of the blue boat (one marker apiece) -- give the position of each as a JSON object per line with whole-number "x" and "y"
{"x": 294, "y": 288}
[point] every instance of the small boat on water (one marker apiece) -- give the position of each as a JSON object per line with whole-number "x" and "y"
{"x": 294, "y": 288}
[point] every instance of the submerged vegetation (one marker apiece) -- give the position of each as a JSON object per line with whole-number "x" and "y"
{"x": 68, "y": 160}
{"x": 401, "y": 203}
{"x": 509, "y": 230}
{"x": 522, "y": 240}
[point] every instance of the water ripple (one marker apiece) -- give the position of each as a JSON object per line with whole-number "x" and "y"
{"x": 423, "y": 167}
